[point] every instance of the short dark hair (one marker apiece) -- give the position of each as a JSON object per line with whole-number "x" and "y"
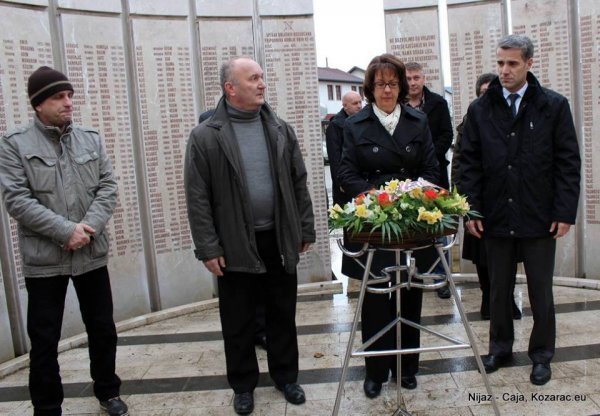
{"x": 413, "y": 66}
{"x": 381, "y": 63}
{"x": 483, "y": 79}
{"x": 521, "y": 42}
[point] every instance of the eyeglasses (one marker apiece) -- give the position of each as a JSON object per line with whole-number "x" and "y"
{"x": 392, "y": 84}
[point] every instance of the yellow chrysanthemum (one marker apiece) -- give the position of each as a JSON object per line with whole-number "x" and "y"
{"x": 416, "y": 193}
{"x": 362, "y": 211}
{"x": 431, "y": 217}
{"x": 335, "y": 211}
{"x": 392, "y": 185}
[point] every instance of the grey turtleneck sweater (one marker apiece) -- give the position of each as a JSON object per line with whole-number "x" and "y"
{"x": 254, "y": 152}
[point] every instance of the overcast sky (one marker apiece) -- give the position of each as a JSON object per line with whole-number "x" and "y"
{"x": 348, "y": 32}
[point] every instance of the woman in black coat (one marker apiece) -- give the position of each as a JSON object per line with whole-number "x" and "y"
{"x": 387, "y": 140}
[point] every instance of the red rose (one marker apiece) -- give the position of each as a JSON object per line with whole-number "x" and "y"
{"x": 431, "y": 194}
{"x": 384, "y": 199}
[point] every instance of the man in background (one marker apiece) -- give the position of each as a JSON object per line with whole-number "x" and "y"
{"x": 438, "y": 116}
{"x": 334, "y": 138}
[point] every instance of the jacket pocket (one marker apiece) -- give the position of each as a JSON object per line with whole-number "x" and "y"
{"x": 88, "y": 168}
{"x": 42, "y": 169}
{"x": 39, "y": 251}
{"x": 100, "y": 246}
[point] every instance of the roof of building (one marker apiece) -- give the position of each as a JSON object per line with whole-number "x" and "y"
{"x": 356, "y": 68}
{"x": 334, "y": 74}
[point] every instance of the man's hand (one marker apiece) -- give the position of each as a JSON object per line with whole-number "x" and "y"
{"x": 80, "y": 237}
{"x": 215, "y": 265}
{"x": 475, "y": 227}
{"x": 304, "y": 247}
{"x": 561, "y": 229}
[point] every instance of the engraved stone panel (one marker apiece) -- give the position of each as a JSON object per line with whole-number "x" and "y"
{"x": 220, "y": 40}
{"x": 547, "y": 24}
{"x": 159, "y": 7}
{"x": 224, "y": 8}
{"x": 589, "y": 29}
{"x": 167, "y": 103}
{"x": 92, "y": 5}
{"x": 413, "y": 35}
{"x": 285, "y": 8}
{"x": 291, "y": 75}
{"x": 472, "y": 49}
{"x": 95, "y": 64}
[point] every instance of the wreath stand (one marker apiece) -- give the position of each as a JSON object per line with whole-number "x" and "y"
{"x": 406, "y": 246}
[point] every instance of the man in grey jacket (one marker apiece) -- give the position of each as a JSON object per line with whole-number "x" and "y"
{"x": 251, "y": 216}
{"x": 57, "y": 183}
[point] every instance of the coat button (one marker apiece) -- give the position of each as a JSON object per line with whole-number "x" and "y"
{"x": 510, "y": 200}
{"x": 408, "y": 149}
{"x": 402, "y": 170}
{"x": 513, "y": 134}
{"x": 509, "y": 167}
{"x": 512, "y": 232}
{"x": 378, "y": 172}
{"x": 375, "y": 149}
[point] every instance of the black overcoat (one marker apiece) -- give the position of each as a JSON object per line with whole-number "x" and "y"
{"x": 521, "y": 173}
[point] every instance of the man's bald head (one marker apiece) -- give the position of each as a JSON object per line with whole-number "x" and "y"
{"x": 351, "y": 102}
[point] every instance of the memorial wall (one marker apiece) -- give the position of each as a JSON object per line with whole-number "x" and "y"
{"x": 474, "y": 28}
{"x": 589, "y": 32}
{"x": 134, "y": 78}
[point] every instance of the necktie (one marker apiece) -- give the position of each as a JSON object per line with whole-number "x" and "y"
{"x": 513, "y": 103}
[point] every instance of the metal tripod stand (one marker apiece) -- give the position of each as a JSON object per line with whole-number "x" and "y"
{"x": 413, "y": 281}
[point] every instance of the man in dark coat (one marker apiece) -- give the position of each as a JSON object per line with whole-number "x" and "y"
{"x": 438, "y": 116}
{"x": 520, "y": 167}
{"x": 334, "y": 138}
{"x": 250, "y": 217}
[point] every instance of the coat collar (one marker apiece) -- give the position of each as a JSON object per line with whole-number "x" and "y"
{"x": 406, "y": 130}
{"x": 534, "y": 95}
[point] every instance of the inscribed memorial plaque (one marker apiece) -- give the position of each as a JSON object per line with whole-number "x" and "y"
{"x": 474, "y": 30}
{"x": 220, "y": 40}
{"x": 166, "y": 100}
{"x": 292, "y": 90}
{"x": 413, "y": 36}
{"x": 95, "y": 64}
{"x": 589, "y": 27}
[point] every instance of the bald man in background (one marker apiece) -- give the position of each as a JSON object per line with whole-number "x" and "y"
{"x": 334, "y": 137}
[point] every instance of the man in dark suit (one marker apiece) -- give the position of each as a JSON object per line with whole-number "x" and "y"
{"x": 520, "y": 167}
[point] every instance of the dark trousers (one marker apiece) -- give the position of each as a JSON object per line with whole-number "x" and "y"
{"x": 238, "y": 294}
{"x": 377, "y": 312}
{"x": 46, "y": 304}
{"x": 537, "y": 255}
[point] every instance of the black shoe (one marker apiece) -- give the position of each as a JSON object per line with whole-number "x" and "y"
{"x": 516, "y": 312}
{"x": 114, "y": 407}
{"x": 243, "y": 403}
{"x": 408, "y": 382}
{"x": 261, "y": 341}
{"x": 372, "y": 388}
{"x": 493, "y": 362}
{"x": 443, "y": 292}
{"x": 540, "y": 374}
{"x": 293, "y": 393}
